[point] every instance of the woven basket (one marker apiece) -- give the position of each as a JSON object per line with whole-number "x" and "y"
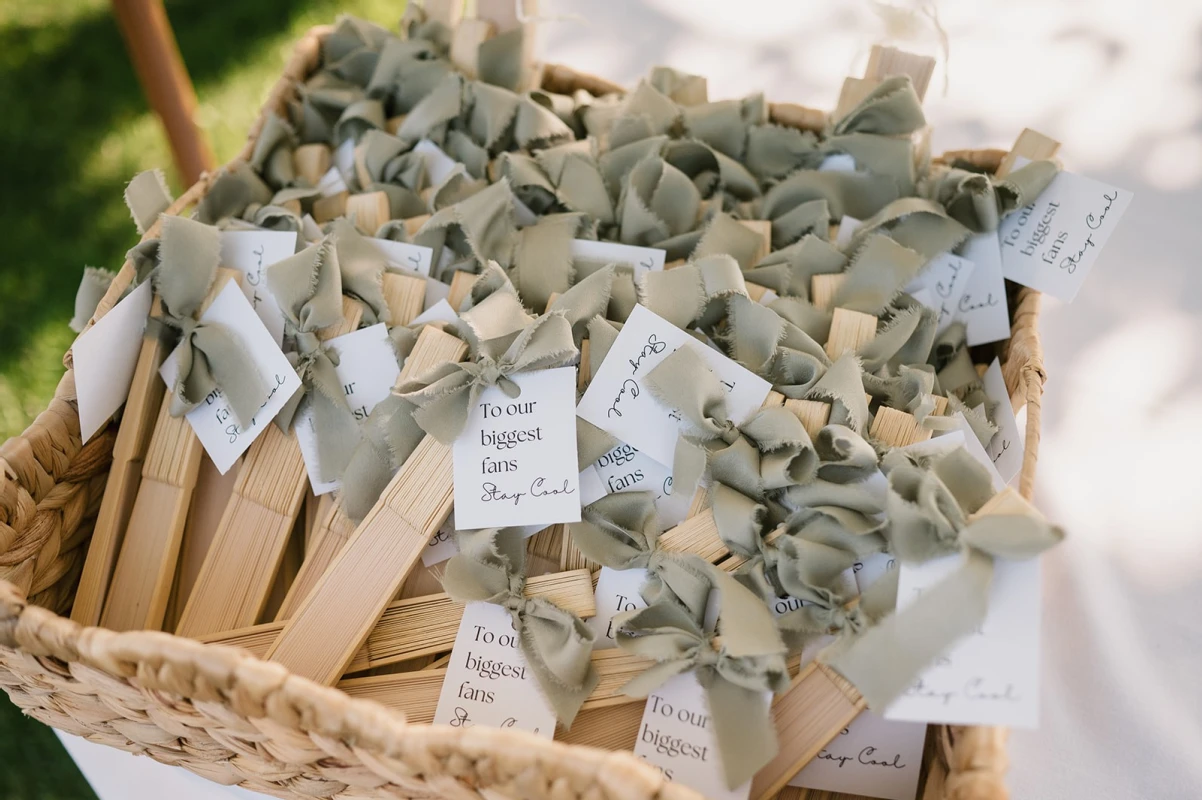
{"x": 234, "y": 719}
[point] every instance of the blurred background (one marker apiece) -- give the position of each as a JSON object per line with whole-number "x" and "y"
{"x": 1118, "y": 82}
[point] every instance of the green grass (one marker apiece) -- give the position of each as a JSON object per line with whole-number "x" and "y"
{"x": 74, "y": 127}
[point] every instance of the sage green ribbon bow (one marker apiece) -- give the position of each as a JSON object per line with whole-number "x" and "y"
{"x": 446, "y": 394}
{"x": 774, "y": 348}
{"x": 790, "y": 270}
{"x": 734, "y": 672}
{"x": 572, "y": 169}
{"x": 308, "y": 289}
{"x": 693, "y": 294}
{"x": 658, "y": 202}
{"x": 770, "y": 450}
{"x": 491, "y": 567}
{"x": 362, "y": 269}
{"x": 146, "y": 196}
{"x": 92, "y": 288}
{"x": 475, "y": 230}
{"x": 981, "y": 202}
{"x": 929, "y": 514}
{"x": 805, "y": 570}
{"x": 393, "y": 168}
{"x": 621, "y": 531}
{"x": 209, "y": 355}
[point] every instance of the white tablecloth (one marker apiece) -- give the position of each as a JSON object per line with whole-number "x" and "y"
{"x": 1120, "y": 84}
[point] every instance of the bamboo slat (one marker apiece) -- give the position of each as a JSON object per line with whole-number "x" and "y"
{"x": 882, "y": 63}
{"x": 311, "y": 162}
{"x": 209, "y": 498}
{"x": 331, "y": 531}
{"x": 823, "y": 289}
{"x": 850, "y": 330}
{"x": 368, "y": 210}
{"x": 461, "y": 285}
{"x": 415, "y": 692}
{"x": 125, "y": 477}
{"x": 816, "y": 707}
{"x": 146, "y": 563}
{"x": 333, "y": 528}
{"x": 1029, "y": 144}
{"x": 336, "y": 618}
{"x": 897, "y": 427}
{"x": 405, "y": 296}
{"x": 607, "y": 727}
{"x": 422, "y": 626}
{"x": 236, "y": 577}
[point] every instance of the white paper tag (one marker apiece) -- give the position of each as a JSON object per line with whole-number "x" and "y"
{"x": 847, "y": 229}
{"x": 439, "y": 165}
{"x": 1005, "y": 448}
{"x": 617, "y": 591}
{"x": 983, "y": 308}
{"x": 872, "y": 568}
{"x": 251, "y": 253}
{"x": 344, "y": 158}
{"x": 442, "y": 545}
{"x": 367, "y": 370}
{"x": 675, "y": 735}
{"x": 767, "y": 297}
{"x": 515, "y": 462}
{"x": 332, "y": 183}
{"x": 625, "y": 469}
{"x": 212, "y": 420}
{"x": 1051, "y": 244}
{"x": 402, "y": 254}
{"x": 945, "y": 277}
{"x": 488, "y": 682}
{"x": 873, "y": 757}
{"x": 105, "y": 357}
{"x": 618, "y": 403}
{"x": 839, "y": 162}
{"x": 439, "y": 312}
{"x": 991, "y": 677}
{"x": 591, "y": 487}
{"x": 641, "y": 259}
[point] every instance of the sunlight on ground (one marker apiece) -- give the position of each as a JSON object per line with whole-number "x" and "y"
{"x": 227, "y": 108}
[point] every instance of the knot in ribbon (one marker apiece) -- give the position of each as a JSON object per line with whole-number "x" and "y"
{"x": 734, "y": 671}
{"x": 621, "y": 531}
{"x": 491, "y": 568}
{"x": 307, "y": 287}
{"x": 794, "y": 566}
{"x": 446, "y": 394}
{"x": 209, "y": 355}
{"x": 768, "y": 451}
{"x": 774, "y": 348}
{"x": 980, "y": 202}
{"x": 937, "y": 511}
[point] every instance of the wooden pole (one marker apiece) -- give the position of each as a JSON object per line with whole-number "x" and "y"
{"x": 156, "y": 58}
